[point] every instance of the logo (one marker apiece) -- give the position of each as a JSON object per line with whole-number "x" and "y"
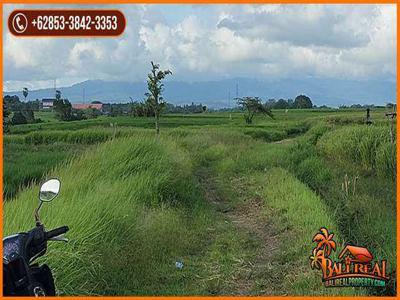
{"x": 20, "y": 23}
{"x": 353, "y": 267}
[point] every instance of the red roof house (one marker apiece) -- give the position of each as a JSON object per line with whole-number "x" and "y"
{"x": 81, "y": 106}
{"x": 357, "y": 254}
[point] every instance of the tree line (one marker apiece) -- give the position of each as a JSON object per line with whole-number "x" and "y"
{"x": 143, "y": 109}
{"x": 17, "y": 112}
{"x": 300, "y": 102}
{"x": 153, "y": 105}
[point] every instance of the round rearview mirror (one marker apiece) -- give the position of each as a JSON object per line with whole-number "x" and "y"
{"x": 49, "y": 190}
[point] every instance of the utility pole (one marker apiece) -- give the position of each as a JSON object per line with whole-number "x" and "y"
{"x": 229, "y": 105}
{"x": 55, "y": 86}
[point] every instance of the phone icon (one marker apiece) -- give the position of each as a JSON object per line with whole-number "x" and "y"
{"x": 20, "y": 23}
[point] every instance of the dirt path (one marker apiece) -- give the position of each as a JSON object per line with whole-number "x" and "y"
{"x": 246, "y": 216}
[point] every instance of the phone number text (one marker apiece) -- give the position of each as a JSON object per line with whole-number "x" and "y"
{"x": 75, "y": 23}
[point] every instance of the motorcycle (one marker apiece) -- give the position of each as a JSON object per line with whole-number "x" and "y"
{"x": 21, "y": 275}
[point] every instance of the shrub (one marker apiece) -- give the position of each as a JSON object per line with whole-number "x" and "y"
{"x": 269, "y": 135}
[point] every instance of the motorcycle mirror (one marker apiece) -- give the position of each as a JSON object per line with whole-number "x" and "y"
{"x": 49, "y": 190}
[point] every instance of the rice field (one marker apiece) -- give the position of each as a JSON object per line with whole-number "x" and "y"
{"x": 237, "y": 204}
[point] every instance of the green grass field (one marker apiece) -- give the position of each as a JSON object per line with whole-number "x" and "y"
{"x": 237, "y": 204}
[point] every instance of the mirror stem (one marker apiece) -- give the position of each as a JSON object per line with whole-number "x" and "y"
{"x": 37, "y": 218}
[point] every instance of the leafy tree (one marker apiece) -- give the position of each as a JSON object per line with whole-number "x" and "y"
{"x": 18, "y": 118}
{"x": 253, "y": 106}
{"x": 270, "y": 103}
{"x": 302, "y": 101}
{"x": 91, "y": 113}
{"x": 6, "y": 117}
{"x": 281, "y": 104}
{"x": 77, "y": 115}
{"x": 29, "y": 115}
{"x": 12, "y": 103}
{"x": 63, "y": 109}
{"x": 116, "y": 110}
{"x": 155, "y": 87}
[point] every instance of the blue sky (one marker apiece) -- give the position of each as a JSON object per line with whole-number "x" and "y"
{"x": 213, "y": 42}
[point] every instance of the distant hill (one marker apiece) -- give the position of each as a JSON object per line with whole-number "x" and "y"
{"x": 215, "y": 93}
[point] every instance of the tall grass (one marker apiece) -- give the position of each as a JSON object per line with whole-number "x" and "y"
{"x": 365, "y": 145}
{"x": 82, "y": 136}
{"x": 24, "y": 164}
{"x": 135, "y": 206}
{"x": 299, "y": 213}
{"x": 133, "y": 209}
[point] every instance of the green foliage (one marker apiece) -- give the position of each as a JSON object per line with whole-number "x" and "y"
{"x": 385, "y": 159}
{"x": 154, "y": 99}
{"x": 25, "y": 164}
{"x": 253, "y": 106}
{"x": 345, "y": 120}
{"x": 83, "y": 136}
{"x": 141, "y": 109}
{"x": 317, "y": 131}
{"x": 6, "y": 118}
{"x": 133, "y": 199}
{"x": 313, "y": 172}
{"x": 139, "y": 201}
{"x": 91, "y": 113}
{"x": 63, "y": 109}
{"x": 360, "y": 145}
{"x": 18, "y": 118}
{"x": 266, "y": 135}
{"x": 302, "y": 101}
{"x": 303, "y": 213}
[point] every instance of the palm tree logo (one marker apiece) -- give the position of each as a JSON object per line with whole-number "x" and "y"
{"x": 325, "y": 245}
{"x": 325, "y": 241}
{"x": 317, "y": 258}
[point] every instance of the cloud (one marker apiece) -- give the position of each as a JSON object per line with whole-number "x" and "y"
{"x": 215, "y": 42}
{"x": 311, "y": 25}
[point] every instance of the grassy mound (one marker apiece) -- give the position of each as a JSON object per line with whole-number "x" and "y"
{"x": 301, "y": 213}
{"x": 133, "y": 209}
{"x": 368, "y": 146}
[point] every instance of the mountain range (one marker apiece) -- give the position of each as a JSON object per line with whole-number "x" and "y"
{"x": 217, "y": 94}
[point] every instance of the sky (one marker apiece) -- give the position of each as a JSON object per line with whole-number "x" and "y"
{"x": 214, "y": 42}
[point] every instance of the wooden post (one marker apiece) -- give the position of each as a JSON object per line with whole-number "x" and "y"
{"x": 391, "y": 116}
{"x": 368, "y": 120}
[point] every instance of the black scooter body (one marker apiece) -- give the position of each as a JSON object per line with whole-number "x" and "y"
{"x": 20, "y": 277}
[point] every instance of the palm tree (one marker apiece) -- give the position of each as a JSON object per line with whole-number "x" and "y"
{"x": 325, "y": 241}
{"x": 317, "y": 258}
{"x": 58, "y": 94}
{"x": 25, "y": 92}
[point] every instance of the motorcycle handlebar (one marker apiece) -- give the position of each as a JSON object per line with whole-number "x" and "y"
{"x": 56, "y": 232}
